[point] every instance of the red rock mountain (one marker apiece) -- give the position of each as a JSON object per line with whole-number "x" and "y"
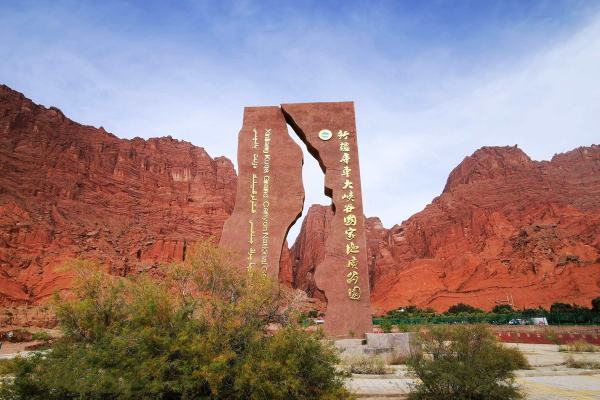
{"x": 68, "y": 190}
{"x": 504, "y": 226}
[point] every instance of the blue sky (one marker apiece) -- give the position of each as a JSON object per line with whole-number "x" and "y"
{"x": 432, "y": 81}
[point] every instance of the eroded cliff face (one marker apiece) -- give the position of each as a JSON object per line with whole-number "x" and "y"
{"x": 504, "y": 226}
{"x": 72, "y": 191}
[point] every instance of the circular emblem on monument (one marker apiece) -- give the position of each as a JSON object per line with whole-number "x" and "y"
{"x": 325, "y": 134}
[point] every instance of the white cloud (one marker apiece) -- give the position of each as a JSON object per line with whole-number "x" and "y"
{"x": 419, "y": 111}
{"x": 546, "y": 103}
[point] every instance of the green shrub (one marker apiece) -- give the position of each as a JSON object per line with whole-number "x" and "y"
{"x": 41, "y": 336}
{"x": 199, "y": 333}
{"x": 503, "y": 309}
{"x": 561, "y": 307}
{"x": 463, "y": 308}
{"x": 464, "y": 362}
{"x": 516, "y": 358}
{"x": 410, "y": 311}
{"x": 386, "y": 325}
{"x": 596, "y": 304}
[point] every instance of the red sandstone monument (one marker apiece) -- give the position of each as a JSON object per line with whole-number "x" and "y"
{"x": 270, "y": 197}
{"x": 270, "y": 194}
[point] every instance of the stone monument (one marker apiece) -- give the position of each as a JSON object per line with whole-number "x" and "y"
{"x": 270, "y": 194}
{"x": 329, "y": 132}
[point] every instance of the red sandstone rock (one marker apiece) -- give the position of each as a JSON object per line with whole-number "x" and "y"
{"x": 309, "y": 249}
{"x": 504, "y": 226}
{"x": 270, "y": 194}
{"x": 68, "y": 190}
{"x": 329, "y": 131}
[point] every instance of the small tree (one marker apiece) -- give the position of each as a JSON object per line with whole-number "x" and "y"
{"x": 503, "y": 309}
{"x": 464, "y": 363}
{"x": 201, "y": 332}
{"x": 386, "y": 325}
{"x": 596, "y": 304}
{"x": 561, "y": 307}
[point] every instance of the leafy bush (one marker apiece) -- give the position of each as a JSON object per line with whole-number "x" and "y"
{"x": 515, "y": 357}
{"x": 410, "y": 311}
{"x": 464, "y": 362}
{"x": 386, "y": 325}
{"x": 41, "y": 336}
{"x": 464, "y": 314}
{"x": 561, "y": 307}
{"x": 199, "y": 333}
{"x": 596, "y": 304}
{"x": 503, "y": 309}
{"x": 407, "y": 328}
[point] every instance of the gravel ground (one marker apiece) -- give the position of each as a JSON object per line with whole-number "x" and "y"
{"x": 549, "y": 379}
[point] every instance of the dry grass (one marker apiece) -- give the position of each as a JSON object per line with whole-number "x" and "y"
{"x": 369, "y": 365}
{"x": 398, "y": 358}
{"x": 582, "y": 364}
{"x": 7, "y": 367}
{"x": 579, "y": 347}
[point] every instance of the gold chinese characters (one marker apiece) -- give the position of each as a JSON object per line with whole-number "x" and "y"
{"x": 350, "y": 220}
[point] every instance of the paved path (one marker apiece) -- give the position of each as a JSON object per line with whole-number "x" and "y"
{"x": 549, "y": 379}
{"x": 562, "y": 387}
{"x": 579, "y": 387}
{"x": 379, "y": 387}
{"x": 12, "y": 348}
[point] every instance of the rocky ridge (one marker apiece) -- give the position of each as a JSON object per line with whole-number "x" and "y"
{"x": 505, "y": 227}
{"x": 69, "y": 190}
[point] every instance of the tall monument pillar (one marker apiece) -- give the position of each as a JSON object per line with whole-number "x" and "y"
{"x": 329, "y": 131}
{"x": 270, "y": 194}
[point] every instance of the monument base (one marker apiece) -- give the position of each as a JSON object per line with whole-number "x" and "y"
{"x": 386, "y": 345}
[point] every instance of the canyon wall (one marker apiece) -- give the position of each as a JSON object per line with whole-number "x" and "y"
{"x": 71, "y": 191}
{"x": 505, "y": 227}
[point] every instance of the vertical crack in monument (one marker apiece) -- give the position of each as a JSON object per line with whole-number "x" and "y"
{"x": 329, "y": 131}
{"x": 270, "y": 194}
{"x": 270, "y": 197}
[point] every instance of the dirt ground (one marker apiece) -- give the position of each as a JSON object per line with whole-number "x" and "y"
{"x": 549, "y": 379}
{"x": 11, "y": 349}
